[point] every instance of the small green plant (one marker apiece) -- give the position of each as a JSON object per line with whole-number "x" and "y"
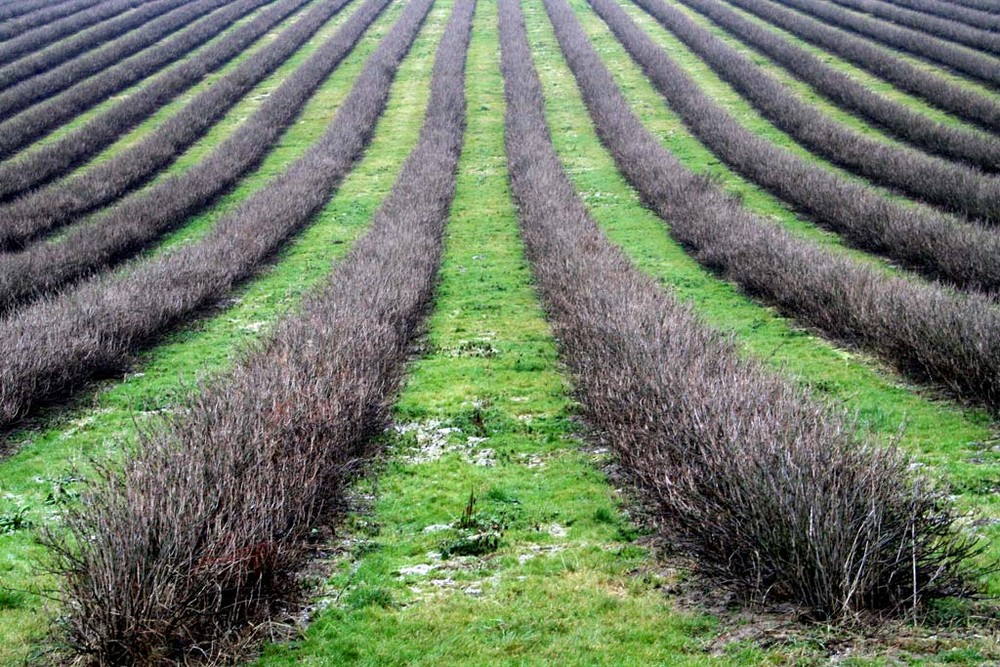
{"x": 11, "y": 522}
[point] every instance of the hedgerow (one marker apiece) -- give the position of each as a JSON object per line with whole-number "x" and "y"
{"x": 39, "y": 166}
{"x": 966, "y": 61}
{"x": 933, "y": 244}
{"x": 139, "y": 219}
{"x": 943, "y": 28}
{"x": 46, "y": 16}
{"x": 66, "y": 49}
{"x": 95, "y": 327}
{"x": 986, "y": 20}
{"x": 212, "y": 511}
{"x": 975, "y": 148}
{"x": 953, "y": 98}
{"x": 769, "y": 493}
{"x": 924, "y": 330}
{"x": 79, "y": 73}
{"x": 958, "y": 188}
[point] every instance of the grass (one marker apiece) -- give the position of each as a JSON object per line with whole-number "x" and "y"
{"x": 109, "y": 415}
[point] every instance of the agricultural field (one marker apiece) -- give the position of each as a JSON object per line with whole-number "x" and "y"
{"x": 500, "y": 332}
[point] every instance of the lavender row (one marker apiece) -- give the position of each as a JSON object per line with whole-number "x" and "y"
{"x": 263, "y": 454}
{"x": 974, "y": 148}
{"x": 769, "y": 493}
{"x": 139, "y": 220}
{"x": 39, "y": 166}
{"x": 96, "y": 327}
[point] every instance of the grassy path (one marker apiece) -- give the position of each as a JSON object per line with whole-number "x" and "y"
{"x": 109, "y": 417}
{"x": 486, "y": 409}
{"x": 957, "y": 444}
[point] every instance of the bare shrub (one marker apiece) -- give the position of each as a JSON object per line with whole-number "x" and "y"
{"x": 770, "y": 494}
{"x": 975, "y": 148}
{"x": 92, "y": 38}
{"x": 49, "y": 161}
{"x": 263, "y": 453}
{"x": 925, "y": 331}
{"x": 78, "y": 74}
{"x": 968, "y": 62}
{"x": 95, "y": 328}
{"x": 953, "y": 98}
{"x": 49, "y": 20}
{"x": 934, "y": 244}
{"x": 140, "y": 219}
{"x": 943, "y": 28}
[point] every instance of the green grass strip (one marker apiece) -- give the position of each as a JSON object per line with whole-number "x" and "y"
{"x": 111, "y": 415}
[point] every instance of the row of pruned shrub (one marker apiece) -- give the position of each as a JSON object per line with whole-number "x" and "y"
{"x": 212, "y": 513}
{"x": 94, "y": 77}
{"x": 95, "y": 328}
{"x": 923, "y": 329}
{"x": 971, "y": 63}
{"x": 78, "y": 44}
{"x": 954, "y": 98}
{"x": 958, "y": 188}
{"x": 974, "y": 148}
{"x": 36, "y": 167}
{"x": 114, "y": 235}
{"x": 943, "y": 28}
{"x": 11, "y": 13}
{"x": 49, "y": 23}
{"x": 934, "y": 244}
{"x": 768, "y": 493}
{"x": 987, "y": 19}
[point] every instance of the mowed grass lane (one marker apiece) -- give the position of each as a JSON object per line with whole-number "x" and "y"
{"x": 107, "y": 417}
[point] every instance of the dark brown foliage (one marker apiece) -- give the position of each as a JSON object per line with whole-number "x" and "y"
{"x": 943, "y": 28}
{"x": 78, "y": 44}
{"x": 950, "y": 97}
{"x": 922, "y": 329}
{"x": 78, "y": 75}
{"x": 968, "y": 62}
{"x": 141, "y": 218}
{"x": 47, "y": 16}
{"x": 958, "y": 188}
{"x": 95, "y": 328}
{"x": 975, "y": 148}
{"x": 770, "y": 494}
{"x": 931, "y": 243}
{"x": 263, "y": 453}
{"x": 49, "y": 161}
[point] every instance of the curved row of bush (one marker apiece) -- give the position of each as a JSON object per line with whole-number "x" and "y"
{"x": 39, "y": 166}
{"x": 976, "y": 65}
{"x": 212, "y": 512}
{"x": 49, "y": 14}
{"x": 934, "y": 244}
{"x": 983, "y": 5}
{"x": 60, "y": 52}
{"x": 974, "y": 148}
{"x": 946, "y": 29}
{"x": 986, "y": 20}
{"x": 958, "y": 188}
{"x": 27, "y": 41}
{"x": 126, "y": 60}
{"x": 953, "y": 98}
{"x": 116, "y": 234}
{"x": 923, "y": 329}
{"x": 42, "y": 118}
{"x": 95, "y": 327}
{"x": 769, "y": 493}
{"x": 16, "y": 8}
